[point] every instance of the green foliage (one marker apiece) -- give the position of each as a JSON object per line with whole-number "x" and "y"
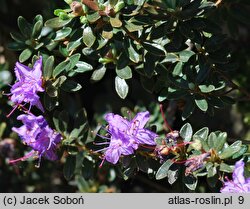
{"x": 183, "y": 50}
{"x": 98, "y": 55}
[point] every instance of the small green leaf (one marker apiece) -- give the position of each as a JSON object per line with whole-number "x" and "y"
{"x": 125, "y": 73}
{"x": 211, "y": 171}
{"x": 98, "y": 73}
{"x": 178, "y": 69}
{"x": 202, "y": 133}
{"x": 217, "y": 141}
{"x": 56, "y": 22}
{"x": 121, "y": 87}
{"x": 226, "y": 168}
{"x": 173, "y": 174}
{"x": 88, "y": 36}
{"x": 241, "y": 152}
{"x": 59, "y": 81}
{"x": 69, "y": 167}
{"x": 231, "y": 150}
{"x": 201, "y": 103}
{"x": 206, "y": 88}
{"x": 83, "y": 67}
{"x": 24, "y": 27}
{"x": 37, "y": 28}
{"x": 186, "y": 132}
{"x": 93, "y": 17}
{"x": 185, "y": 55}
{"x": 163, "y": 170}
{"x": 71, "y": 86}
{"x": 133, "y": 55}
{"x": 48, "y": 67}
{"x": 63, "y": 66}
{"x": 171, "y": 57}
{"x": 25, "y": 55}
{"x": 115, "y": 21}
{"x": 73, "y": 60}
{"x": 63, "y": 33}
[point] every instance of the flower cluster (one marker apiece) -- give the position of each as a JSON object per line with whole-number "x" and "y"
{"x": 239, "y": 184}
{"x": 35, "y": 131}
{"x": 28, "y": 84}
{"x": 126, "y": 136}
{"x": 37, "y": 134}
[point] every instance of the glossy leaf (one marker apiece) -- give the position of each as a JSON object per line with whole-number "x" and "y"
{"x": 63, "y": 33}
{"x": 163, "y": 170}
{"x": 88, "y": 36}
{"x": 61, "y": 67}
{"x": 25, "y": 55}
{"x": 48, "y": 67}
{"x": 231, "y": 150}
{"x": 56, "y": 22}
{"x": 125, "y": 73}
{"x": 98, "y": 73}
{"x": 186, "y": 132}
{"x": 121, "y": 87}
{"x": 201, "y": 103}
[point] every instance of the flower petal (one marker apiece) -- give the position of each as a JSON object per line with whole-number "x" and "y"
{"x": 37, "y": 69}
{"x": 238, "y": 174}
{"x": 142, "y": 118}
{"x": 145, "y": 136}
{"x": 117, "y": 122}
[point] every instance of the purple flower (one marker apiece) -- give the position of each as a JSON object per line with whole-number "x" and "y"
{"x": 133, "y": 129}
{"x": 29, "y": 83}
{"x": 239, "y": 184}
{"x": 127, "y": 135}
{"x": 37, "y": 134}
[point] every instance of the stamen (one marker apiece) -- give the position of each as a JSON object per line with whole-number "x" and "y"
{"x": 102, "y": 162}
{"x": 104, "y": 137}
{"x": 12, "y": 111}
{"x": 6, "y": 94}
{"x": 100, "y": 150}
{"x": 101, "y": 143}
{"x": 22, "y": 158}
{"x": 102, "y": 127}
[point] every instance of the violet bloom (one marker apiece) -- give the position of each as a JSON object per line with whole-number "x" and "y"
{"x": 127, "y": 135}
{"x": 239, "y": 184}
{"x": 29, "y": 83}
{"x": 37, "y": 134}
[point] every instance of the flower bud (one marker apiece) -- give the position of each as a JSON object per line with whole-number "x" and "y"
{"x": 76, "y": 7}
